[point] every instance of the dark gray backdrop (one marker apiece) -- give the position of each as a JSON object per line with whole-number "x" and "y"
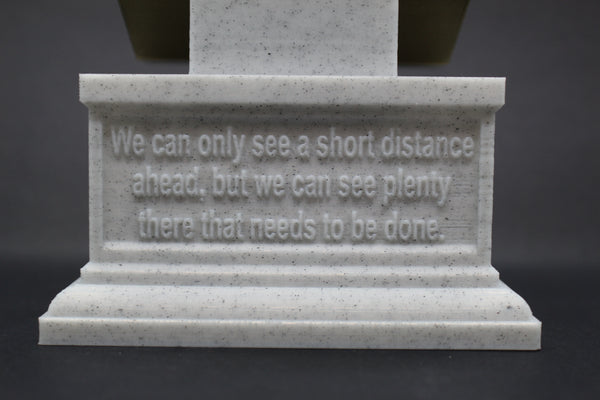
{"x": 545, "y": 222}
{"x": 547, "y": 137}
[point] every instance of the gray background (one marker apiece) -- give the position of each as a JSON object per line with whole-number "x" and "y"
{"x": 547, "y": 141}
{"x": 545, "y": 223}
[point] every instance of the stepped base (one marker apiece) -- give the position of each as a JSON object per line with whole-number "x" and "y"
{"x": 123, "y": 314}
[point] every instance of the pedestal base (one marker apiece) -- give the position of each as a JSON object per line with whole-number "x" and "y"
{"x": 92, "y": 312}
{"x": 384, "y": 247}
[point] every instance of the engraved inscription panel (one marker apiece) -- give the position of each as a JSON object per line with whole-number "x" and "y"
{"x": 299, "y": 188}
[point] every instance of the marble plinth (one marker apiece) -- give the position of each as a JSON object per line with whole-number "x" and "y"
{"x": 291, "y": 211}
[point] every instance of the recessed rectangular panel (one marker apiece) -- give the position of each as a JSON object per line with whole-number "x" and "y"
{"x": 295, "y": 185}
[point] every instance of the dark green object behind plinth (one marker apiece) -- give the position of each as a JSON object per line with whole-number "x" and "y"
{"x": 158, "y": 29}
{"x": 427, "y": 29}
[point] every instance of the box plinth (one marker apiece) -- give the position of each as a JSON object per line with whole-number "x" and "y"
{"x": 291, "y": 192}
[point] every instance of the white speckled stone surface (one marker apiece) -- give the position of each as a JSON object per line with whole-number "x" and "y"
{"x": 432, "y": 288}
{"x": 253, "y": 203}
{"x": 294, "y": 37}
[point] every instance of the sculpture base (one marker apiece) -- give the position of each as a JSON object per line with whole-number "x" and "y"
{"x": 92, "y": 312}
{"x": 384, "y": 247}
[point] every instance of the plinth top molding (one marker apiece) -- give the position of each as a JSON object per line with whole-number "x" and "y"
{"x": 293, "y": 90}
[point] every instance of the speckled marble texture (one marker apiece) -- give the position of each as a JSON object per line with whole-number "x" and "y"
{"x": 258, "y": 285}
{"x": 294, "y": 37}
{"x": 314, "y": 317}
{"x": 291, "y": 192}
